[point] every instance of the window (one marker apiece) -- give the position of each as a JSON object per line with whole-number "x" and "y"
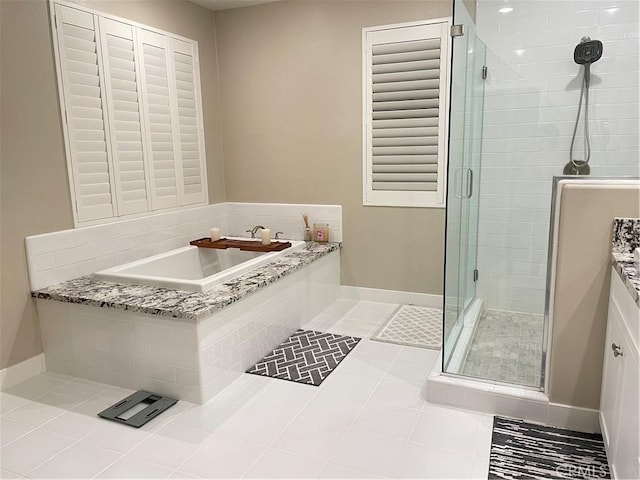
{"x": 132, "y": 115}
{"x": 406, "y": 80}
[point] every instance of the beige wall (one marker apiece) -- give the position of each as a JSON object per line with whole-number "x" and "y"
{"x": 291, "y": 93}
{"x": 34, "y": 190}
{"x": 582, "y": 289}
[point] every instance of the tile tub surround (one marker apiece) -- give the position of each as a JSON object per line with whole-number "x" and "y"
{"x": 176, "y": 346}
{"x": 626, "y": 237}
{"x": 60, "y": 256}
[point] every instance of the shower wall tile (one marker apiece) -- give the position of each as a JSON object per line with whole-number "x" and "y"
{"x": 531, "y": 99}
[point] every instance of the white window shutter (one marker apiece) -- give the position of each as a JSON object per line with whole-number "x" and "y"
{"x": 405, "y": 81}
{"x": 162, "y": 147}
{"x": 87, "y": 128}
{"x": 122, "y": 93}
{"x": 189, "y": 126}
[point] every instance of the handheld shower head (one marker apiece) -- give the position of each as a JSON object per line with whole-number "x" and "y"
{"x": 587, "y": 51}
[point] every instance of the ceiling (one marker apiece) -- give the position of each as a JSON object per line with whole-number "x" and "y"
{"x": 225, "y": 4}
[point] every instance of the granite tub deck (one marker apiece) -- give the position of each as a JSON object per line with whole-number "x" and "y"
{"x": 626, "y": 238}
{"x": 179, "y": 303}
{"x": 185, "y": 345}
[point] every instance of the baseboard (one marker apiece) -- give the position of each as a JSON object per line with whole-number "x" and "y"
{"x": 391, "y": 296}
{"x": 14, "y": 374}
{"x": 515, "y": 402}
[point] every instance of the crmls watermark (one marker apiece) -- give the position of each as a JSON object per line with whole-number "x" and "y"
{"x": 571, "y": 470}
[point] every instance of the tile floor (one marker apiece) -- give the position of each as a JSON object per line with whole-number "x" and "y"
{"x": 369, "y": 419}
{"x": 507, "y": 347}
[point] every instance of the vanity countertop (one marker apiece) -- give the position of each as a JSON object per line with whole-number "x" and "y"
{"x": 178, "y": 303}
{"x": 626, "y": 237}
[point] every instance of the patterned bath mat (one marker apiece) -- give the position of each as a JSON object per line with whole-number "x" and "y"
{"x": 525, "y": 450}
{"x": 305, "y": 357}
{"x": 413, "y": 326}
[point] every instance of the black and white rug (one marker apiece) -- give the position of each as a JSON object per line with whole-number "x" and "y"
{"x": 522, "y": 450}
{"x": 305, "y": 357}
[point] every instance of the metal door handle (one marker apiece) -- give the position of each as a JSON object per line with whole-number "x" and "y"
{"x": 617, "y": 350}
{"x": 469, "y": 182}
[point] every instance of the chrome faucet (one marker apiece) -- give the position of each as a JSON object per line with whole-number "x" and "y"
{"x": 254, "y": 230}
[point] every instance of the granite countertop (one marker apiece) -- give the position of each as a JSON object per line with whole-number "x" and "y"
{"x": 626, "y": 238}
{"x": 178, "y": 303}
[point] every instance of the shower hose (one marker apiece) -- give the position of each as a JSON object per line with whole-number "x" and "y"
{"x": 584, "y": 93}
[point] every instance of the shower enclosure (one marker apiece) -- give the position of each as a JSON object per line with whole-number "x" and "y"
{"x": 515, "y": 91}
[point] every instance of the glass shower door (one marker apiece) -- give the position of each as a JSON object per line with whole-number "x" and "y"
{"x": 465, "y": 137}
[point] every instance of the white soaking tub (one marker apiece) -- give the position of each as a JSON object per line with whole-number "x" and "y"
{"x": 191, "y": 268}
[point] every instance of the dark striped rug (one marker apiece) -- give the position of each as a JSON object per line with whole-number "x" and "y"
{"x": 522, "y": 450}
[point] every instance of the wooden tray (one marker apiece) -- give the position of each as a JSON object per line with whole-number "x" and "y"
{"x": 247, "y": 245}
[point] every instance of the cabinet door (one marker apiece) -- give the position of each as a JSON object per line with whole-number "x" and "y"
{"x": 611, "y": 381}
{"x": 627, "y": 445}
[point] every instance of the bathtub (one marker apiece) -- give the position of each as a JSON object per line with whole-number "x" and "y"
{"x": 191, "y": 268}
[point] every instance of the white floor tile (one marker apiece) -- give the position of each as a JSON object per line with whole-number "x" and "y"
{"x": 284, "y": 395}
{"x": 110, "y": 396}
{"x": 74, "y": 424}
{"x": 116, "y": 437}
{"x": 59, "y": 400}
{"x": 311, "y": 438}
{"x": 425, "y": 461}
{"x": 81, "y": 390}
{"x": 398, "y": 393}
{"x": 354, "y": 385}
{"x": 170, "y": 446}
{"x": 36, "y": 386}
{"x": 387, "y": 420}
{"x": 10, "y": 402}
{"x": 331, "y": 406}
{"x": 480, "y": 468}
{"x": 181, "y": 476}
{"x": 353, "y": 328}
{"x": 367, "y": 348}
{"x": 483, "y": 442}
{"x": 257, "y": 423}
{"x": 34, "y": 413}
{"x": 451, "y": 431}
{"x": 331, "y": 470}
{"x": 426, "y": 356}
{"x": 78, "y": 461}
{"x": 10, "y": 430}
{"x": 369, "y": 365}
{"x": 222, "y": 457}
{"x": 367, "y": 452}
{"x": 410, "y": 372}
{"x": 277, "y": 464}
{"x": 372, "y": 312}
{"x": 33, "y": 449}
{"x": 129, "y": 468}
{"x": 8, "y": 474}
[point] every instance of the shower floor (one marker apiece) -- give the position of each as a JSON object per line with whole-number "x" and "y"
{"x": 506, "y": 347}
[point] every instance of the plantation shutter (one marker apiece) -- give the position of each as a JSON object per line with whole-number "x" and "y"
{"x": 405, "y": 105}
{"x": 122, "y": 87}
{"x": 189, "y": 121}
{"x": 84, "y": 102}
{"x": 160, "y": 135}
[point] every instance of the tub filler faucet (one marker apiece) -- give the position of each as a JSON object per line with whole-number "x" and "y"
{"x": 254, "y": 230}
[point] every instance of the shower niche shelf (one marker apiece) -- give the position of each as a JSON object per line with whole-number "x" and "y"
{"x": 247, "y": 245}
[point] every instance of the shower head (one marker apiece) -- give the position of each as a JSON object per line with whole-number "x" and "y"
{"x": 587, "y": 51}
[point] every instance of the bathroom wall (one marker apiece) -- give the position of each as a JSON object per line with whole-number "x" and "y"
{"x": 532, "y": 94}
{"x": 583, "y": 273}
{"x": 34, "y": 186}
{"x": 291, "y": 94}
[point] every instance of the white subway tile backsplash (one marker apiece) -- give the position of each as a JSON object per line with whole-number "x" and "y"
{"x": 59, "y": 256}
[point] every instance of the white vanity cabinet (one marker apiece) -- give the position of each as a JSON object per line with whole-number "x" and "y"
{"x": 619, "y": 399}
